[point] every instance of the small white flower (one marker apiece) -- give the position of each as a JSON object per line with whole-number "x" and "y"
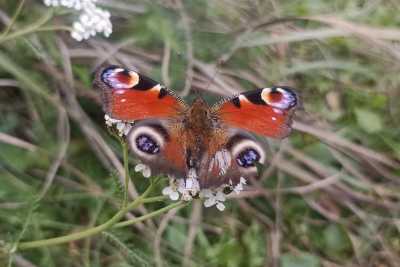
{"x": 171, "y": 192}
{"x": 76, "y": 4}
{"x": 220, "y": 206}
{"x": 212, "y": 199}
{"x": 185, "y": 188}
{"x": 92, "y": 19}
{"x": 144, "y": 169}
{"x": 189, "y": 188}
{"x": 239, "y": 187}
{"x": 122, "y": 127}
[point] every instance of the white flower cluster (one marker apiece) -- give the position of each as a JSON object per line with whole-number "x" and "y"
{"x": 122, "y": 127}
{"x": 92, "y": 19}
{"x": 187, "y": 189}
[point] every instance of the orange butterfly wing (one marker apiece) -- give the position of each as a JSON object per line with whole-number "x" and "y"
{"x": 266, "y": 111}
{"x": 129, "y": 96}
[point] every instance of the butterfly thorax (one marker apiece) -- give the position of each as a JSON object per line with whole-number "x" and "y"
{"x": 197, "y": 117}
{"x": 198, "y": 130}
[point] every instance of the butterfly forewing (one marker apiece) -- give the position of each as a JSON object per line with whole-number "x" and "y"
{"x": 128, "y": 95}
{"x": 266, "y": 111}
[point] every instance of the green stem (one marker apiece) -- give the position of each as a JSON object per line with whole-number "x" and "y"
{"x": 150, "y": 215}
{"x": 154, "y": 199}
{"x": 127, "y": 176}
{"x": 33, "y": 30}
{"x": 30, "y": 29}
{"x": 88, "y": 232}
{"x": 14, "y": 18}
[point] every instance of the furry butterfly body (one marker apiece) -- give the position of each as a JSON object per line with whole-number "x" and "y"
{"x": 210, "y": 144}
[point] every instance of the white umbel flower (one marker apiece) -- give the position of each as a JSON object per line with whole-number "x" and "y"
{"x": 171, "y": 192}
{"x": 122, "y": 127}
{"x": 189, "y": 188}
{"x": 239, "y": 187}
{"x": 75, "y": 4}
{"x": 184, "y": 189}
{"x": 92, "y": 19}
{"x": 144, "y": 169}
{"x": 213, "y": 198}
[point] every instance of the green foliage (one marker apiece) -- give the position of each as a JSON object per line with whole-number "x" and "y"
{"x": 368, "y": 120}
{"x": 349, "y": 86}
{"x": 300, "y": 260}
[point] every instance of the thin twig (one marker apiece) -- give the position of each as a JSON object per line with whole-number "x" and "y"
{"x": 189, "y": 49}
{"x": 195, "y": 219}
{"x": 158, "y": 237}
{"x": 11, "y": 140}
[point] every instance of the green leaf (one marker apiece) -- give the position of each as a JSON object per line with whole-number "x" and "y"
{"x": 300, "y": 260}
{"x": 368, "y": 121}
{"x": 336, "y": 241}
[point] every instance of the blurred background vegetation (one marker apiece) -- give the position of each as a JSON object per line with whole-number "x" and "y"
{"x": 330, "y": 193}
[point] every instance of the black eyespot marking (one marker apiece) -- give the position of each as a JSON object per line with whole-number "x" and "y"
{"x": 247, "y": 158}
{"x": 281, "y": 97}
{"x": 105, "y": 74}
{"x": 162, "y": 93}
{"x": 236, "y": 102}
{"x": 145, "y": 83}
{"x": 254, "y": 98}
{"x": 147, "y": 144}
{"x": 120, "y": 79}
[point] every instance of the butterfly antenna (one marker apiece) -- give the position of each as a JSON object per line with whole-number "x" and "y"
{"x": 214, "y": 75}
{"x": 197, "y": 93}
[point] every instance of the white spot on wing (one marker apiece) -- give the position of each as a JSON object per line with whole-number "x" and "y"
{"x": 243, "y": 98}
{"x": 222, "y": 160}
{"x": 157, "y": 88}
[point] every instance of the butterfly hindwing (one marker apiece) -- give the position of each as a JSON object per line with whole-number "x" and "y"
{"x": 236, "y": 158}
{"x": 156, "y": 143}
{"x": 266, "y": 111}
{"x": 128, "y": 95}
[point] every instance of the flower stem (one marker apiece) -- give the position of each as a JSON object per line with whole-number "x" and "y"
{"x": 36, "y": 26}
{"x": 127, "y": 176}
{"x": 150, "y": 215}
{"x": 33, "y": 30}
{"x": 14, "y": 18}
{"x": 87, "y": 232}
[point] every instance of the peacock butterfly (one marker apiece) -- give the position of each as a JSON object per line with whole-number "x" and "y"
{"x": 211, "y": 144}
